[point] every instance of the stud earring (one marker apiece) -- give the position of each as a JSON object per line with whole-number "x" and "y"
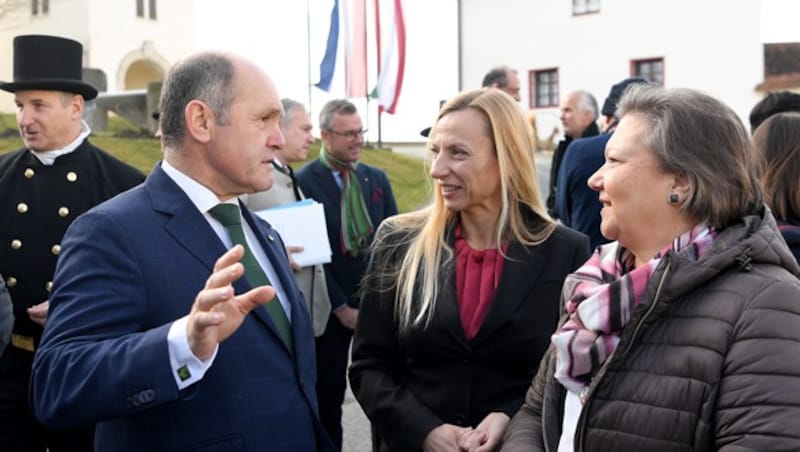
{"x": 673, "y": 198}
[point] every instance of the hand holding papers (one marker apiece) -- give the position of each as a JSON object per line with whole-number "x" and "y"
{"x": 301, "y": 224}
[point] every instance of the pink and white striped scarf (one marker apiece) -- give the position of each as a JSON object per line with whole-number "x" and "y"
{"x": 600, "y": 297}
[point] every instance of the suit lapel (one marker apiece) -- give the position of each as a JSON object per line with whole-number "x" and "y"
{"x": 448, "y": 310}
{"x": 190, "y": 228}
{"x": 327, "y": 184}
{"x": 186, "y": 224}
{"x": 521, "y": 272}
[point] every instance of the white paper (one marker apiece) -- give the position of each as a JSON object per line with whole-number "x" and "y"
{"x": 301, "y": 224}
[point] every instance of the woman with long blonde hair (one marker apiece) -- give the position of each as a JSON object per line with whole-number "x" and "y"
{"x": 460, "y": 298}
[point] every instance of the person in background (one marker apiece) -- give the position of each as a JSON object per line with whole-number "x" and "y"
{"x": 503, "y": 78}
{"x": 681, "y": 333}
{"x": 777, "y": 148}
{"x": 579, "y": 118}
{"x": 56, "y": 177}
{"x": 460, "y": 298}
{"x": 356, "y": 198}
{"x": 577, "y": 205}
{"x": 772, "y": 103}
{"x": 157, "y": 331}
{"x": 296, "y": 127}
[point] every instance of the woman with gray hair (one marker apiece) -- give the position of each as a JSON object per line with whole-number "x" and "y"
{"x": 684, "y": 332}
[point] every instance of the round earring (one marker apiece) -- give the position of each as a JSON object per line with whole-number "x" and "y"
{"x": 673, "y": 198}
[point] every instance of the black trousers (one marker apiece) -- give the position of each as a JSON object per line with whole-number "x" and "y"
{"x": 19, "y": 430}
{"x": 333, "y": 348}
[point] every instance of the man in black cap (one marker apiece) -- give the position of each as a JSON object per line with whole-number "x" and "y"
{"x": 577, "y": 205}
{"x": 45, "y": 186}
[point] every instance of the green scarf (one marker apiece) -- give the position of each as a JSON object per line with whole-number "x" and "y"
{"x": 356, "y": 225}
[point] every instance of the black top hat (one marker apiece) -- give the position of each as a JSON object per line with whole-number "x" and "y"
{"x": 48, "y": 63}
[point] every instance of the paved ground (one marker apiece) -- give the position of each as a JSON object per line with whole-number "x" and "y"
{"x": 354, "y": 423}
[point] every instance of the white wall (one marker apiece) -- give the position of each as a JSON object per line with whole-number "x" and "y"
{"x": 118, "y": 37}
{"x": 66, "y": 18}
{"x": 708, "y": 45}
{"x": 111, "y": 34}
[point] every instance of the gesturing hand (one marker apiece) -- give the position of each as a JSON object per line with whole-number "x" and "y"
{"x": 216, "y": 312}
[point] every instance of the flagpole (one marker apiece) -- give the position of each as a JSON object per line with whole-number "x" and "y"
{"x": 380, "y": 139}
{"x": 308, "y": 54}
{"x": 366, "y": 65}
{"x": 378, "y": 63}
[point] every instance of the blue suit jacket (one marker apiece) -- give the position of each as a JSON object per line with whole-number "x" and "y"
{"x": 344, "y": 273}
{"x": 128, "y": 269}
{"x": 577, "y": 205}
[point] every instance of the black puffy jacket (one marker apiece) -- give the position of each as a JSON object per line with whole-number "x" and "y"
{"x": 709, "y": 361}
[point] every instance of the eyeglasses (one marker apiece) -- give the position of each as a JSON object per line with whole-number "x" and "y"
{"x": 350, "y": 135}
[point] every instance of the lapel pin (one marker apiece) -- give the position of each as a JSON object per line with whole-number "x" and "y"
{"x": 269, "y": 236}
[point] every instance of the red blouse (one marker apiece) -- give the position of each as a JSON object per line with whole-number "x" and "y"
{"x": 477, "y": 276}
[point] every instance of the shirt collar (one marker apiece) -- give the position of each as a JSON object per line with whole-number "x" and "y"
{"x": 202, "y": 198}
{"x": 48, "y": 157}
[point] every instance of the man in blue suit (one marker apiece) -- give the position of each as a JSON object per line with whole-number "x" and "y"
{"x": 155, "y": 330}
{"x": 356, "y": 198}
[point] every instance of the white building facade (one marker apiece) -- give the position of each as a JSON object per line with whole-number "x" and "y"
{"x": 562, "y": 45}
{"x": 134, "y": 42}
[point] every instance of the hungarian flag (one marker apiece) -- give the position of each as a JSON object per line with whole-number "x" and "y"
{"x": 390, "y": 30}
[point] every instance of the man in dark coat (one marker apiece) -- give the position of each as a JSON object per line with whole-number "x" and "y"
{"x": 46, "y": 185}
{"x": 356, "y": 198}
{"x": 579, "y": 118}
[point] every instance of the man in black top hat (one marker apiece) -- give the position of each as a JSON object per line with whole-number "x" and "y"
{"x": 56, "y": 177}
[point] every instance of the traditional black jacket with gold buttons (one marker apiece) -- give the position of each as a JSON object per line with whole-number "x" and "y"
{"x": 37, "y": 204}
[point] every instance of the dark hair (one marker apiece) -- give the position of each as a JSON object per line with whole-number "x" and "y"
{"x": 772, "y": 103}
{"x": 498, "y": 75}
{"x": 334, "y": 107}
{"x": 777, "y": 147}
{"x": 696, "y": 135}
{"x": 207, "y": 77}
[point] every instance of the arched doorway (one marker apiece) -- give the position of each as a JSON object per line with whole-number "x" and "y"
{"x": 140, "y": 73}
{"x": 140, "y": 67}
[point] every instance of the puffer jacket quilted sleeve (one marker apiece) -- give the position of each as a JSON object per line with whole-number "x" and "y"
{"x": 758, "y": 397}
{"x": 709, "y": 361}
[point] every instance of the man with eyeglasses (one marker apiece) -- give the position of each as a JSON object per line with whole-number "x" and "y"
{"x": 356, "y": 198}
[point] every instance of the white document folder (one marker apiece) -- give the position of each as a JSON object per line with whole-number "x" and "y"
{"x": 301, "y": 224}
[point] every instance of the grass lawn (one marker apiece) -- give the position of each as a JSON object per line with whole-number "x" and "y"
{"x": 406, "y": 174}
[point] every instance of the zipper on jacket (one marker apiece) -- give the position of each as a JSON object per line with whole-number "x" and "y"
{"x": 589, "y": 391}
{"x": 548, "y": 382}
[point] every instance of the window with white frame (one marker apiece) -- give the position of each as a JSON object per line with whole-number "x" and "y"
{"x": 150, "y": 12}
{"x": 40, "y": 7}
{"x": 585, "y": 7}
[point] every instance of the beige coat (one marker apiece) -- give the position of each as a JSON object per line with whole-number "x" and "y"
{"x": 311, "y": 280}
